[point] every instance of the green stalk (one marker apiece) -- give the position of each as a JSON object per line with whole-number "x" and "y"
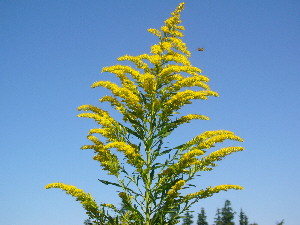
{"x": 148, "y": 168}
{"x": 148, "y": 183}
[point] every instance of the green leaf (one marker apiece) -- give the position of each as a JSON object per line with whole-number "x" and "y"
{"x": 152, "y": 174}
{"x": 108, "y": 182}
{"x": 133, "y": 132}
{"x": 165, "y": 152}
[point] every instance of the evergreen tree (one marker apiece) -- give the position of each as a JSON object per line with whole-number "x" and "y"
{"x": 227, "y": 214}
{"x": 188, "y": 218}
{"x": 202, "y": 218}
{"x": 280, "y": 223}
{"x": 243, "y": 218}
{"x": 218, "y": 218}
{"x": 87, "y": 222}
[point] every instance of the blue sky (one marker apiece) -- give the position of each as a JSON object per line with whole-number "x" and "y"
{"x": 52, "y": 51}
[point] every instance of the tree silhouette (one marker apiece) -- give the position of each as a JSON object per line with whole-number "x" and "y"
{"x": 227, "y": 214}
{"x": 202, "y": 218}
{"x": 188, "y": 218}
{"x": 243, "y": 219}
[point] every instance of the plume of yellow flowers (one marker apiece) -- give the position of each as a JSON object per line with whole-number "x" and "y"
{"x": 148, "y": 173}
{"x": 85, "y": 199}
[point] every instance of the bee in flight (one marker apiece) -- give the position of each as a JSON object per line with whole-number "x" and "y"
{"x": 200, "y": 49}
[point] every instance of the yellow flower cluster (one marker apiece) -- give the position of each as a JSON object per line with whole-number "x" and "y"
{"x": 138, "y": 61}
{"x": 149, "y": 83}
{"x": 135, "y": 74}
{"x": 169, "y": 69}
{"x": 102, "y": 117}
{"x": 166, "y": 45}
{"x": 195, "y": 81}
{"x": 131, "y": 153}
{"x": 171, "y": 23}
{"x": 216, "y": 135}
{"x": 121, "y": 108}
{"x": 170, "y": 55}
{"x": 102, "y": 120}
{"x": 94, "y": 139}
{"x": 173, "y": 192}
{"x": 168, "y": 79}
{"x": 180, "y": 45}
{"x": 208, "y": 143}
{"x": 85, "y": 199}
{"x": 170, "y": 35}
{"x": 218, "y": 155}
{"x": 130, "y": 98}
{"x": 114, "y": 102}
{"x": 126, "y": 82}
{"x": 108, "y": 161}
{"x": 186, "y": 160}
{"x": 155, "y": 32}
{"x": 184, "y": 97}
{"x": 177, "y": 58}
{"x": 155, "y": 59}
{"x": 156, "y": 49}
{"x": 181, "y": 82}
{"x": 189, "y": 155}
{"x": 188, "y": 118}
{"x": 208, "y": 192}
{"x": 196, "y": 146}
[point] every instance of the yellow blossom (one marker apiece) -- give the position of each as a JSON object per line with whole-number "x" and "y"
{"x": 218, "y": 155}
{"x": 184, "y": 97}
{"x": 156, "y": 49}
{"x": 208, "y": 138}
{"x": 130, "y": 98}
{"x": 131, "y": 153}
{"x": 208, "y": 192}
{"x": 173, "y": 192}
{"x": 188, "y": 118}
{"x": 85, "y": 199}
{"x": 108, "y": 161}
{"x": 155, "y": 32}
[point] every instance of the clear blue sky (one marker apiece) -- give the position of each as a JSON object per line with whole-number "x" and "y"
{"x": 52, "y": 51}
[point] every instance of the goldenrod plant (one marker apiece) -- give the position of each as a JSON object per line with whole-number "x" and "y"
{"x": 150, "y": 174}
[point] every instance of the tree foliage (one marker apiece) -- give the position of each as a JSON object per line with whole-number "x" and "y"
{"x": 280, "y": 223}
{"x": 202, "y": 218}
{"x": 188, "y": 218}
{"x": 149, "y": 173}
{"x": 227, "y": 214}
{"x": 87, "y": 222}
{"x": 218, "y": 218}
{"x": 243, "y": 219}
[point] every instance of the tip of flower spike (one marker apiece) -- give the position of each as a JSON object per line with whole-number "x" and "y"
{"x": 181, "y": 5}
{"x": 82, "y": 108}
{"x": 179, "y": 8}
{"x": 52, "y": 185}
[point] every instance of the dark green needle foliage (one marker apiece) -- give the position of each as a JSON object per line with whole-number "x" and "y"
{"x": 202, "y": 218}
